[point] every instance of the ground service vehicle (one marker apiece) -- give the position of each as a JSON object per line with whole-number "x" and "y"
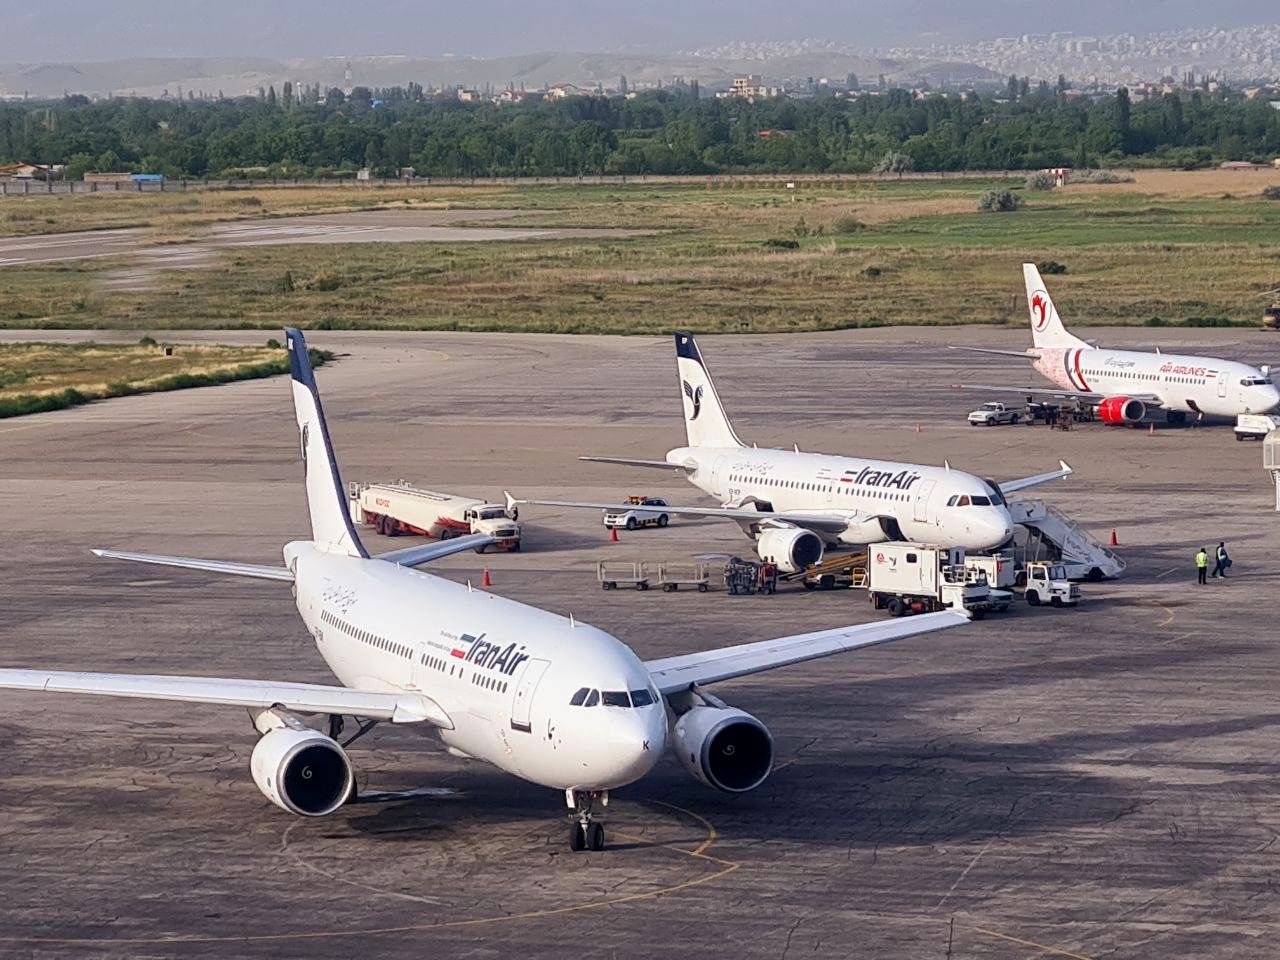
{"x": 397, "y": 508}
{"x": 1047, "y": 582}
{"x": 1255, "y": 426}
{"x": 906, "y": 578}
{"x": 636, "y": 516}
{"x": 990, "y": 414}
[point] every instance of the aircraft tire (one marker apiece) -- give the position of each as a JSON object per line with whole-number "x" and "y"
{"x": 595, "y": 837}
{"x": 577, "y": 838}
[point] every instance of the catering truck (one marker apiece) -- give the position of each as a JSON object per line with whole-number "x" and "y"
{"x": 398, "y": 508}
{"x": 906, "y": 578}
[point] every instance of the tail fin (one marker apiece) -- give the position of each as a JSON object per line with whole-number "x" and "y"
{"x": 705, "y": 422}
{"x": 1046, "y": 326}
{"x": 331, "y": 527}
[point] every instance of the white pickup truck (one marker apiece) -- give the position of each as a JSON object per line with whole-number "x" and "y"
{"x": 990, "y": 414}
{"x": 1255, "y": 425}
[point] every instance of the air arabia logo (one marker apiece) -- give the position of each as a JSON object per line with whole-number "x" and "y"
{"x": 695, "y": 396}
{"x": 1039, "y": 310}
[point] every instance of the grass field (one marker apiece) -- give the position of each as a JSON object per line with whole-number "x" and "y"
{"x": 1196, "y": 247}
{"x": 36, "y": 377}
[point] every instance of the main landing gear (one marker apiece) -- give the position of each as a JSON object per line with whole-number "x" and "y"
{"x": 585, "y": 833}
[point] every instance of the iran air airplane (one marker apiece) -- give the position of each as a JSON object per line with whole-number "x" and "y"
{"x": 1123, "y": 384}
{"x": 794, "y": 504}
{"x": 553, "y": 701}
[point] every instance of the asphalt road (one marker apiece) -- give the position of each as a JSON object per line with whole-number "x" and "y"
{"x": 1088, "y": 783}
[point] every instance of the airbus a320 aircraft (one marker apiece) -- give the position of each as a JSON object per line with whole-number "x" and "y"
{"x": 793, "y": 504}
{"x": 545, "y": 698}
{"x": 1123, "y": 384}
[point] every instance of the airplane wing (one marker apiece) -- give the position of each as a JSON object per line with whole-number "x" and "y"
{"x": 1150, "y": 399}
{"x": 1031, "y": 353}
{"x": 673, "y": 674}
{"x": 253, "y": 694}
{"x": 818, "y": 522}
{"x": 656, "y": 464}
{"x": 1011, "y": 486}
{"x": 260, "y": 571}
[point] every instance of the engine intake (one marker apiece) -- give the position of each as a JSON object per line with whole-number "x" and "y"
{"x": 724, "y": 747}
{"x": 302, "y": 771}
{"x": 1125, "y": 410}
{"x": 791, "y": 548}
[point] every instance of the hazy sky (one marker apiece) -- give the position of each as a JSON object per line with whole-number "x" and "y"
{"x": 80, "y": 30}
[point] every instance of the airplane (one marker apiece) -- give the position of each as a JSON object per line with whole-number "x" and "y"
{"x": 795, "y": 504}
{"x": 1123, "y": 384}
{"x": 543, "y": 697}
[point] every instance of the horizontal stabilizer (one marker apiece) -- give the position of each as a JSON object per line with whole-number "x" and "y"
{"x": 656, "y": 464}
{"x": 426, "y": 552}
{"x": 1031, "y": 353}
{"x": 260, "y": 571}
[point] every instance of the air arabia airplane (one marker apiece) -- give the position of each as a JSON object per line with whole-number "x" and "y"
{"x": 793, "y": 504}
{"x": 544, "y": 698}
{"x": 1123, "y": 384}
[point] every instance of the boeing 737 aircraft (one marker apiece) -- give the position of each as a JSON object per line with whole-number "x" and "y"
{"x": 793, "y": 504}
{"x": 556, "y": 702}
{"x": 1124, "y": 383}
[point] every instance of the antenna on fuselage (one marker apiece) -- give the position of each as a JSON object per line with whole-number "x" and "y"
{"x": 468, "y": 586}
{"x": 573, "y": 624}
{"x": 946, "y": 465}
{"x": 795, "y": 447}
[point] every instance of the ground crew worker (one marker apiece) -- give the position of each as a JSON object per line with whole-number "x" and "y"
{"x": 1202, "y": 564}
{"x": 1222, "y": 561}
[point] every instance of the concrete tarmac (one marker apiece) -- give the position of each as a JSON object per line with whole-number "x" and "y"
{"x": 1076, "y": 783}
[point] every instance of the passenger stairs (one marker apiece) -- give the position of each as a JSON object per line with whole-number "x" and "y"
{"x": 1052, "y": 535}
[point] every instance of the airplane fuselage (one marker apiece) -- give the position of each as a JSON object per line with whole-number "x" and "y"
{"x": 878, "y": 500}
{"x": 1186, "y": 384}
{"x": 505, "y": 673}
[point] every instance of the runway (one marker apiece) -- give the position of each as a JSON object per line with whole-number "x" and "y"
{"x": 1089, "y": 783}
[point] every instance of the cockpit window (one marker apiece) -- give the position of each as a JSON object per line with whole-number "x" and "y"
{"x": 641, "y": 698}
{"x": 952, "y": 501}
{"x": 1254, "y": 382}
{"x": 615, "y": 698}
{"x": 592, "y": 698}
{"x": 577, "y": 699}
{"x": 981, "y": 501}
{"x": 963, "y": 501}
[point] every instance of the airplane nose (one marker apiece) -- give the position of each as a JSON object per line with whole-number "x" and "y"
{"x": 637, "y": 740}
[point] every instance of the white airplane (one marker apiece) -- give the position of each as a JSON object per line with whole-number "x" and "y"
{"x": 553, "y": 701}
{"x": 793, "y": 504}
{"x": 1124, "y": 383}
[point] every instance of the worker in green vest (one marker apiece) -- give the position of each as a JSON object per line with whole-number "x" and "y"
{"x": 1202, "y": 564}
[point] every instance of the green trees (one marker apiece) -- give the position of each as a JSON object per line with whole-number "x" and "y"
{"x": 305, "y": 134}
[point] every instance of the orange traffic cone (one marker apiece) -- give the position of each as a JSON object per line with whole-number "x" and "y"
{"x": 1113, "y": 542}
{"x": 613, "y": 534}
{"x": 486, "y": 581}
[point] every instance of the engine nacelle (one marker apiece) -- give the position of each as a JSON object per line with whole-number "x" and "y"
{"x": 791, "y": 548}
{"x": 1123, "y": 410}
{"x": 302, "y": 771}
{"x": 724, "y": 747}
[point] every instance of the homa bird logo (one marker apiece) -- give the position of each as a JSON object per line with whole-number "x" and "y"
{"x": 1040, "y": 310}
{"x": 306, "y": 435}
{"x": 695, "y": 396}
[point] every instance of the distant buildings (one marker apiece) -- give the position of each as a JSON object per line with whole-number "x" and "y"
{"x": 751, "y": 87}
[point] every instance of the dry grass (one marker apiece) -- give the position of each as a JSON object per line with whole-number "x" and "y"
{"x": 1187, "y": 183}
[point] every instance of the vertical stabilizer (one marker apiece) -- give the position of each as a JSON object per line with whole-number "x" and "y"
{"x": 1046, "y": 326}
{"x": 331, "y": 527}
{"x": 705, "y": 422}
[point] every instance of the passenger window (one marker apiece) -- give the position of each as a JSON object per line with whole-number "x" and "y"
{"x": 593, "y": 698}
{"x": 641, "y": 698}
{"x": 913, "y": 558}
{"x": 615, "y": 698}
{"x": 577, "y": 699}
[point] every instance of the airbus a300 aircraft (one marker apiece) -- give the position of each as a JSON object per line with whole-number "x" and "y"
{"x": 545, "y": 698}
{"x": 793, "y": 504}
{"x": 1123, "y": 384}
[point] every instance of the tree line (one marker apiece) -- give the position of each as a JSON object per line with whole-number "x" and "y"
{"x": 309, "y": 132}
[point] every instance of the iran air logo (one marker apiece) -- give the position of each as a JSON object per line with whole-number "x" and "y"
{"x": 695, "y": 397}
{"x": 1039, "y": 310}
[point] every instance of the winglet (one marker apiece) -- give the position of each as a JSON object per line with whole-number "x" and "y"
{"x": 511, "y": 501}
{"x": 1066, "y": 467}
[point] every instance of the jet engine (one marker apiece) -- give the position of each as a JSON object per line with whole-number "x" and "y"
{"x": 791, "y": 548}
{"x": 724, "y": 747}
{"x": 1124, "y": 410}
{"x": 302, "y": 771}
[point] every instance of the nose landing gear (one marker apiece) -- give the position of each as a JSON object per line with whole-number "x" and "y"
{"x": 585, "y": 832}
